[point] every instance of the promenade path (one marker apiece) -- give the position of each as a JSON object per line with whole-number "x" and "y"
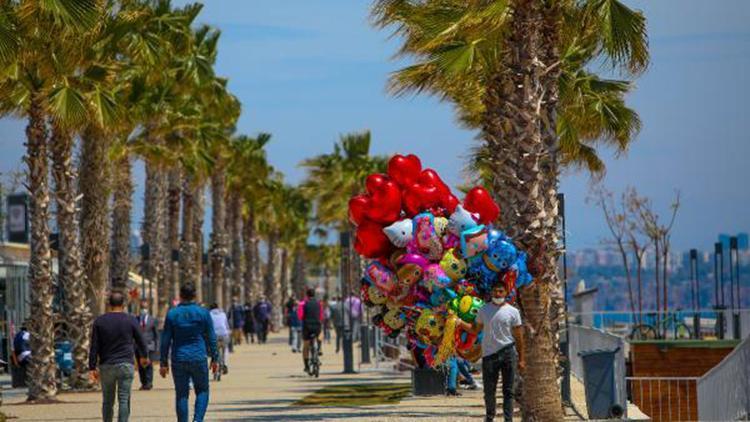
{"x": 263, "y": 384}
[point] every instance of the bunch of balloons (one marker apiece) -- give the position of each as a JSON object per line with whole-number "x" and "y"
{"x": 433, "y": 259}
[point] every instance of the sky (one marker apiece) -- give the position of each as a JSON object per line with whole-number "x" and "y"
{"x": 309, "y": 71}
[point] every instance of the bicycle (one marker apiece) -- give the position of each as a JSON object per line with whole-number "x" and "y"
{"x": 314, "y": 359}
{"x": 221, "y": 368}
{"x": 679, "y": 329}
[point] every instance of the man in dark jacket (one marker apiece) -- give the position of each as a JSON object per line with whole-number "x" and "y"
{"x": 148, "y": 326}
{"x": 114, "y": 337}
{"x": 21, "y": 356}
{"x": 262, "y": 311}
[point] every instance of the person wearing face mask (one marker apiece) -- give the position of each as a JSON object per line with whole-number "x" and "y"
{"x": 148, "y": 326}
{"x": 502, "y": 345}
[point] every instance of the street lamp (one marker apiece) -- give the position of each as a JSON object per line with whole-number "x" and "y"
{"x": 345, "y": 242}
{"x": 694, "y": 289}
{"x": 734, "y": 274}
{"x": 565, "y": 390}
{"x": 719, "y": 287}
{"x": 145, "y": 256}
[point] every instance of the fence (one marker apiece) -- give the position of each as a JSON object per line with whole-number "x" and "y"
{"x": 623, "y": 322}
{"x": 582, "y": 339}
{"x": 665, "y": 398}
{"x": 724, "y": 391}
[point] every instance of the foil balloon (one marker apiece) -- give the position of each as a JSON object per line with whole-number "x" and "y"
{"x": 404, "y": 170}
{"x": 380, "y": 276}
{"x": 370, "y": 240}
{"x": 400, "y": 233}
{"x": 466, "y": 307}
{"x": 426, "y": 240}
{"x": 376, "y": 296}
{"x": 435, "y": 278}
{"x": 448, "y": 343}
{"x": 460, "y": 221}
{"x": 394, "y": 319}
{"x": 474, "y": 242}
{"x": 480, "y": 201}
{"x": 385, "y": 202}
{"x": 429, "y": 327}
{"x": 453, "y": 265}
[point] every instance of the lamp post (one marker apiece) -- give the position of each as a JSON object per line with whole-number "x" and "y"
{"x": 734, "y": 274}
{"x": 345, "y": 242}
{"x": 695, "y": 293}
{"x": 145, "y": 256}
{"x": 565, "y": 389}
{"x": 719, "y": 287}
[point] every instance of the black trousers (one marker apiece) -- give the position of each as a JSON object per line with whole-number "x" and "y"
{"x": 339, "y": 335}
{"x": 146, "y": 374}
{"x": 263, "y": 331}
{"x": 501, "y": 363}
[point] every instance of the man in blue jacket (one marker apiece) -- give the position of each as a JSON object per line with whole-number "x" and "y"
{"x": 189, "y": 333}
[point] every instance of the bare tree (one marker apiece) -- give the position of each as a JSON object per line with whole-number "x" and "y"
{"x": 659, "y": 234}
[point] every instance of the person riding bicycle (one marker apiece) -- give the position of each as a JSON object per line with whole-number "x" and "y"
{"x": 310, "y": 312}
{"x": 221, "y": 328}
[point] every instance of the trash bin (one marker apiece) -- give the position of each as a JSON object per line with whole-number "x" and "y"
{"x": 599, "y": 383}
{"x": 64, "y": 357}
{"x": 427, "y": 382}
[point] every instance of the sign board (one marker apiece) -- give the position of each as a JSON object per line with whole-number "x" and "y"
{"x": 18, "y": 218}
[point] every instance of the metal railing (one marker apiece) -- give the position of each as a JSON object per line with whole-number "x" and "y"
{"x": 724, "y": 391}
{"x": 679, "y": 323}
{"x": 665, "y": 398}
{"x": 389, "y": 353}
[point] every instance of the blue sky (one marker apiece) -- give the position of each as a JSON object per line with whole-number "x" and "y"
{"x": 307, "y": 71}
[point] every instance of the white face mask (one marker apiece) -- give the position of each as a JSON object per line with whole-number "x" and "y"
{"x": 498, "y": 300}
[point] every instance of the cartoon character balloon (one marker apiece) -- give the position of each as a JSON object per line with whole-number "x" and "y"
{"x": 453, "y": 265}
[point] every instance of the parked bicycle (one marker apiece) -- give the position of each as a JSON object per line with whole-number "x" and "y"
{"x": 660, "y": 327}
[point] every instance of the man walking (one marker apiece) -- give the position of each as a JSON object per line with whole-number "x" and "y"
{"x": 21, "y": 356}
{"x": 148, "y": 327}
{"x": 353, "y": 312}
{"x": 189, "y": 335}
{"x": 237, "y": 319}
{"x": 114, "y": 337}
{"x": 262, "y": 313}
{"x": 337, "y": 318}
{"x": 501, "y": 327}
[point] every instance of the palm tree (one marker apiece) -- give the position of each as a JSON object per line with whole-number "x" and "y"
{"x": 343, "y": 172}
{"x": 517, "y": 72}
{"x": 247, "y": 174}
{"x": 29, "y": 85}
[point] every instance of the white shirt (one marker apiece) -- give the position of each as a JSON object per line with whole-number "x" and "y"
{"x": 498, "y": 324}
{"x": 221, "y": 325}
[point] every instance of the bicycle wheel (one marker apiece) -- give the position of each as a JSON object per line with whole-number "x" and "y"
{"x": 643, "y": 332}
{"x": 682, "y": 331}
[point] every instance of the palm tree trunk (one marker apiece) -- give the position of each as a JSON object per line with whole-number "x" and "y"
{"x": 152, "y": 230}
{"x": 71, "y": 276}
{"x": 251, "y": 281}
{"x": 218, "y": 246}
{"x": 122, "y": 205}
{"x": 515, "y": 128}
{"x": 41, "y": 379}
{"x": 273, "y": 286}
{"x": 199, "y": 199}
{"x": 188, "y": 246}
{"x": 94, "y": 186}
{"x": 284, "y": 275}
{"x": 298, "y": 271}
{"x": 234, "y": 226}
{"x": 173, "y": 234}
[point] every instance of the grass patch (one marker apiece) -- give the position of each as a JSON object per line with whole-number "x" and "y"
{"x": 356, "y": 395}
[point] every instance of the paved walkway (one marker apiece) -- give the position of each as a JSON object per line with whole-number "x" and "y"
{"x": 262, "y": 385}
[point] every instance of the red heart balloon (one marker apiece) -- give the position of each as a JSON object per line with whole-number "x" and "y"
{"x": 480, "y": 201}
{"x": 430, "y": 177}
{"x": 370, "y": 240}
{"x": 450, "y": 202}
{"x": 358, "y": 207}
{"x": 419, "y": 198}
{"x": 385, "y": 203}
{"x": 404, "y": 170}
{"x": 375, "y": 181}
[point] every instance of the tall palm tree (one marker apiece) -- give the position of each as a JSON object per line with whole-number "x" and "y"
{"x": 341, "y": 172}
{"x": 247, "y": 175}
{"x": 517, "y": 71}
{"x": 28, "y": 84}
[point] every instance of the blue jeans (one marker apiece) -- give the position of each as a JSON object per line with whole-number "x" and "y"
{"x": 182, "y": 374}
{"x": 118, "y": 378}
{"x": 456, "y": 365}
